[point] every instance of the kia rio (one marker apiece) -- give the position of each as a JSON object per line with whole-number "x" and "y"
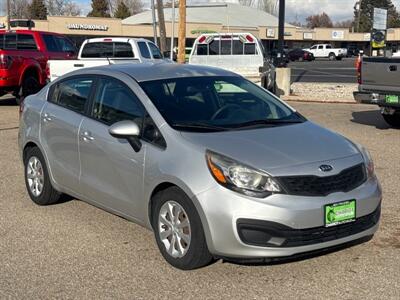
{"x": 215, "y": 165}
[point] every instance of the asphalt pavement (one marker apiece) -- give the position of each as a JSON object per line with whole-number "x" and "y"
{"x": 323, "y": 70}
{"x": 73, "y": 250}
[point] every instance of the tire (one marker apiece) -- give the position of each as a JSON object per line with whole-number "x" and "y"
{"x": 47, "y": 194}
{"x": 193, "y": 252}
{"x": 30, "y": 85}
{"x": 392, "y": 120}
{"x": 332, "y": 56}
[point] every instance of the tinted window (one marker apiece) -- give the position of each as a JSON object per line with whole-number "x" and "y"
{"x": 202, "y": 49}
{"x": 237, "y": 47}
{"x": 155, "y": 51}
{"x": 226, "y": 102}
{"x": 50, "y": 42}
{"x": 144, "y": 50}
{"x": 249, "y": 49}
{"x": 1, "y": 41}
{"x": 26, "y": 42}
{"x": 226, "y": 47}
{"x": 123, "y": 50}
{"x": 328, "y": 47}
{"x": 115, "y": 102}
{"x": 10, "y": 41}
{"x": 64, "y": 45}
{"x": 214, "y": 47}
{"x": 73, "y": 94}
{"x": 107, "y": 49}
{"x": 320, "y": 47}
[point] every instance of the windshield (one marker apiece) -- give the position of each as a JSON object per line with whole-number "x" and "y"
{"x": 217, "y": 103}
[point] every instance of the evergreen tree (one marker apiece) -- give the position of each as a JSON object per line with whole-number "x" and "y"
{"x": 100, "y": 9}
{"x": 367, "y": 14}
{"x": 122, "y": 11}
{"x": 37, "y": 10}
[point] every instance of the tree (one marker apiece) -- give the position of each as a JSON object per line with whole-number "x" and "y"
{"x": 37, "y": 10}
{"x": 367, "y": 14}
{"x": 62, "y": 8}
{"x": 322, "y": 20}
{"x": 269, "y": 6}
{"x": 100, "y": 8}
{"x": 122, "y": 11}
{"x": 19, "y": 9}
{"x": 134, "y": 6}
{"x": 161, "y": 25}
{"x": 344, "y": 24}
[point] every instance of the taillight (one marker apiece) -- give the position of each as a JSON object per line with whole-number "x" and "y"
{"x": 5, "y": 61}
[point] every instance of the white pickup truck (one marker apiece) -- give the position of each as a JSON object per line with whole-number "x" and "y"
{"x": 327, "y": 51}
{"x": 103, "y": 51}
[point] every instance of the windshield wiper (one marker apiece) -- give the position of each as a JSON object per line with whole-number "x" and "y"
{"x": 198, "y": 126}
{"x": 270, "y": 122}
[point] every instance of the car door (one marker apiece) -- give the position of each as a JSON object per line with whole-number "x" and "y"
{"x": 60, "y": 120}
{"x": 111, "y": 171}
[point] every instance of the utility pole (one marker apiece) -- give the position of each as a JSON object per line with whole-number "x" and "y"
{"x": 358, "y": 6}
{"x": 161, "y": 26}
{"x": 8, "y": 15}
{"x": 153, "y": 15}
{"x": 172, "y": 30}
{"x": 281, "y": 31}
{"x": 182, "y": 32}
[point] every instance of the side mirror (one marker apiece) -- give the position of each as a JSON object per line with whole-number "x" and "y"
{"x": 128, "y": 130}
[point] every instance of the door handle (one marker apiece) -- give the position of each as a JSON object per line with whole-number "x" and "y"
{"x": 46, "y": 117}
{"x": 86, "y": 136}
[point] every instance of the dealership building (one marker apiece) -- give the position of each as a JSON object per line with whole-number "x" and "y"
{"x": 214, "y": 17}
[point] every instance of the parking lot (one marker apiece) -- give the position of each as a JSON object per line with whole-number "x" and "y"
{"x": 323, "y": 70}
{"x": 75, "y": 250}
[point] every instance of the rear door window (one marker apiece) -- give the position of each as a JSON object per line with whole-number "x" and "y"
{"x": 73, "y": 93}
{"x": 144, "y": 50}
{"x": 64, "y": 45}
{"x": 26, "y": 42}
{"x": 10, "y": 42}
{"x": 155, "y": 51}
{"x": 51, "y": 43}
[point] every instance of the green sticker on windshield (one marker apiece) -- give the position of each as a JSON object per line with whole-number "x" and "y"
{"x": 339, "y": 213}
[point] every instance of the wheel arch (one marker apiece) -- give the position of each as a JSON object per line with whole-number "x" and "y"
{"x": 34, "y": 70}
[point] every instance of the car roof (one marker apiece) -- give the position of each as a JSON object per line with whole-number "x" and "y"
{"x": 161, "y": 70}
{"x": 28, "y": 31}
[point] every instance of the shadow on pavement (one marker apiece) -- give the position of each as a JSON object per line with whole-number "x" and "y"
{"x": 298, "y": 257}
{"x": 371, "y": 118}
{"x": 7, "y": 101}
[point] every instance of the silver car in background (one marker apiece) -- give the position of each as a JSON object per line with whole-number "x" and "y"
{"x": 215, "y": 165}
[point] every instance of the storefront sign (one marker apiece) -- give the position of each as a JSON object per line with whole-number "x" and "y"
{"x": 270, "y": 32}
{"x": 307, "y": 35}
{"x": 87, "y": 27}
{"x": 337, "y": 35}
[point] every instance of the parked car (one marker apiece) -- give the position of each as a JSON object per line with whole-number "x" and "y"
{"x": 327, "y": 51}
{"x": 23, "y": 58}
{"x": 241, "y": 53}
{"x": 300, "y": 55}
{"x": 103, "y": 51}
{"x": 378, "y": 80}
{"x": 214, "y": 164}
{"x": 352, "y": 51}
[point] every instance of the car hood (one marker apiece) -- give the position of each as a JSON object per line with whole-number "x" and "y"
{"x": 277, "y": 147}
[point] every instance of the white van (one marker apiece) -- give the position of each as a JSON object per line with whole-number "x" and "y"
{"x": 242, "y": 53}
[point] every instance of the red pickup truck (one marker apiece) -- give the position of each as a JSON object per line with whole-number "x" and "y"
{"x": 23, "y": 59}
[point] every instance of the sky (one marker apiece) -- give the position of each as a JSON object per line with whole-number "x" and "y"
{"x": 296, "y": 10}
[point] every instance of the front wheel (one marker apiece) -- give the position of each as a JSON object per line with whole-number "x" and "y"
{"x": 332, "y": 56}
{"x": 178, "y": 230}
{"x": 392, "y": 120}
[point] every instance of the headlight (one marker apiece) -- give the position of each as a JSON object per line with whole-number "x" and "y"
{"x": 369, "y": 163}
{"x": 241, "y": 178}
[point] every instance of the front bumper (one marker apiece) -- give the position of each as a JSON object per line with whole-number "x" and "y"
{"x": 223, "y": 210}
{"x": 373, "y": 98}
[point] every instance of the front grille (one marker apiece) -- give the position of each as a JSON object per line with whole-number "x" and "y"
{"x": 271, "y": 234}
{"x": 345, "y": 181}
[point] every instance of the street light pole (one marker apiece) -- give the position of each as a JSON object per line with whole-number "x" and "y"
{"x": 172, "y": 29}
{"x": 153, "y": 14}
{"x": 281, "y": 31}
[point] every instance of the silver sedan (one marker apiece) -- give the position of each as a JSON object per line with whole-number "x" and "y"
{"x": 215, "y": 165}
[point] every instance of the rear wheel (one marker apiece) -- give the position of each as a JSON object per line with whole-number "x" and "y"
{"x": 30, "y": 85}
{"x": 178, "y": 230}
{"x": 393, "y": 120}
{"x": 332, "y": 56}
{"x": 37, "y": 178}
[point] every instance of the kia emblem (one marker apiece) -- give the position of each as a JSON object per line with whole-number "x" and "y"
{"x": 325, "y": 168}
